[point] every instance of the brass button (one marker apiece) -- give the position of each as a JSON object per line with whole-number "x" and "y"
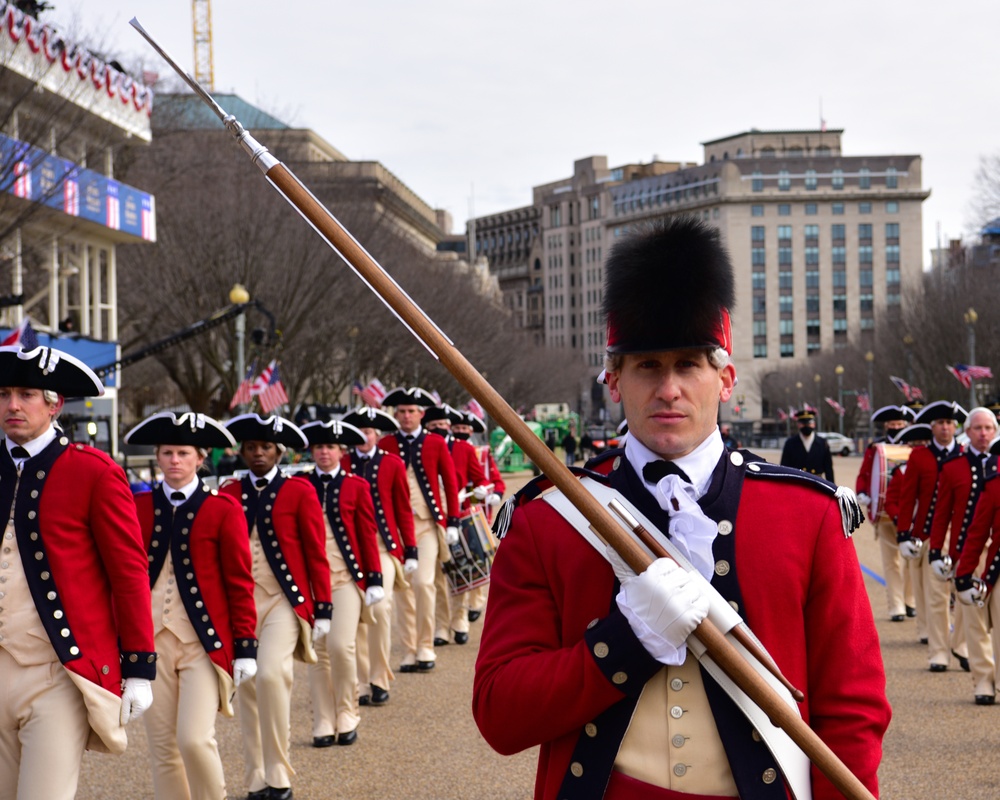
{"x": 592, "y": 623}
{"x": 616, "y": 463}
{"x": 576, "y": 768}
{"x": 105, "y": 669}
{"x": 676, "y": 684}
{"x": 755, "y": 735}
{"x": 769, "y": 775}
{"x": 590, "y": 729}
{"x": 676, "y": 712}
{"x": 736, "y": 459}
{"x": 601, "y": 650}
{"x": 680, "y": 769}
{"x": 74, "y": 650}
{"x": 725, "y": 527}
{"x": 721, "y": 568}
{"x": 619, "y": 678}
{"x": 678, "y": 740}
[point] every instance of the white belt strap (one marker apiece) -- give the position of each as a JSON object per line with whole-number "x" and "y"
{"x": 793, "y": 762}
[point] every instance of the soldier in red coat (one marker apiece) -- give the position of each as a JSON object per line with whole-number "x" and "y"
{"x": 589, "y": 660}
{"x": 75, "y": 613}
{"x": 917, "y": 503}
{"x": 292, "y": 593}
{"x": 430, "y": 473}
{"x": 397, "y": 545}
{"x": 203, "y": 606}
{"x": 356, "y": 576}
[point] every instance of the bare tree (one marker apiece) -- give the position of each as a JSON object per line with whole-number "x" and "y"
{"x": 985, "y": 203}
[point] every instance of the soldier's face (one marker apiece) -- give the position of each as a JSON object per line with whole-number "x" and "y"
{"x": 179, "y": 463}
{"x": 943, "y": 431}
{"x": 981, "y": 429}
{"x": 409, "y": 417}
{"x": 261, "y": 457}
{"x": 24, "y": 413}
{"x": 327, "y": 456}
{"x": 372, "y": 435}
{"x": 671, "y": 398}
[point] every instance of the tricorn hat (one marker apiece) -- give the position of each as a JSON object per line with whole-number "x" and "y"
{"x": 194, "y": 430}
{"x": 333, "y": 432}
{"x": 476, "y": 423}
{"x": 920, "y": 432}
{"x": 669, "y": 286}
{"x": 893, "y": 414}
{"x": 942, "y": 409}
{"x": 443, "y": 411}
{"x": 369, "y": 417}
{"x": 414, "y": 396}
{"x": 48, "y": 369}
{"x": 250, "y": 427}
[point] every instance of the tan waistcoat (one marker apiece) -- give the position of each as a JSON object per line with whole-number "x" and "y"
{"x": 21, "y": 631}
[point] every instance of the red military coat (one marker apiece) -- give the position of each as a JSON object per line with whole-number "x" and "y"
{"x": 390, "y": 491}
{"x": 433, "y": 467}
{"x": 287, "y": 512}
{"x": 219, "y": 551}
{"x": 863, "y": 485}
{"x": 346, "y": 501}
{"x": 919, "y": 490}
{"x": 539, "y": 682}
{"x": 468, "y": 470}
{"x": 984, "y": 528}
{"x": 84, "y": 563}
{"x": 493, "y": 475}
{"x": 959, "y": 487}
{"x": 892, "y": 492}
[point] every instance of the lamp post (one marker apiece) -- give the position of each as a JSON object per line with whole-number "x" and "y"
{"x": 970, "y": 321}
{"x": 239, "y": 296}
{"x": 870, "y": 358}
{"x": 839, "y": 369}
{"x": 819, "y": 402}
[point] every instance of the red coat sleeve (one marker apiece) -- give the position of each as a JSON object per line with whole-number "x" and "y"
{"x": 400, "y": 499}
{"x": 912, "y": 488}
{"x": 446, "y": 471}
{"x": 945, "y": 505}
{"x": 363, "y": 520}
{"x": 493, "y": 473}
{"x": 983, "y": 522}
{"x": 236, "y": 565}
{"x": 863, "y": 485}
{"x": 312, "y": 533}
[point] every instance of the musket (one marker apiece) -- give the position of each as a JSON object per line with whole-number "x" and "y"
{"x": 444, "y": 350}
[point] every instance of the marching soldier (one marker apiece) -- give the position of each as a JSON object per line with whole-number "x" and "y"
{"x": 356, "y": 581}
{"x": 203, "y": 607}
{"x": 292, "y": 593}
{"x": 429, "y": 471}
{"x": 899, "y": 593}
{"x": 807, "y": 451}
{"x": 589, "y": 660}
{"x": 452, "y": 613}
{"x": 75, "y": 614}
{"x": 917, "y": 502}
{"x": 397, "y": 545}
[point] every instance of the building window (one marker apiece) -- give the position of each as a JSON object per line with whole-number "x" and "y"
{"x": 760, "y": 327}
{"x": 555, "y": 216}
{"x": 784, "y": 181}
{"x": 840, "y": 325}
{"x": 892, "y": 230}
{"x": 891, "y": 206}
{"x": 785, "y": 304}
{"x": 891, "y": 178}
{"x": 892, "y": 254}
{"x": 784, "y": 210}
{"x": 865, "y": 232}
{"x": 787, "y": 350}
{"x": 810, "y": 179}
{"x": 784, "y": 280}
{"x": 892, "y": 275}
{"x": 812, "y": 327}
{"x": 837, "y": 179}
{"x": 864, "y": 208}
{"x": 838, "y": 232}
{"x": 867, "y": 324}
{"x": 812, "y": 275}
{"x": 759, "y": 305}
{"x": 757, "y": 184}
{"x": 865, "y": 254}
{"x": 760, "y": 351}
{"x": 840, "y": 302}
{"x": 784, "y": 256}
{"x": 867, "y": 302}
{"x": 757, "y": 233}
{"x": 892, "y": 300}
{"x": 812, "y": 256}
{"x": 812, "y": 231}
{"x": 757, "y": 210}
{"x": 812, "y": 304}
{"x": 864, "y": 178}
{"x": 811, "y": 209}
{"x": 865, "y": 277}
{"x": 758, "y": 256}
{"x": 837, "y": 209}
{"x": 839, "y": 279}
{"x": 812, "y": 347}
{"x": 758, "y": 280}
{"x": 784, "y": 232}
{"x": 786, "y": 327}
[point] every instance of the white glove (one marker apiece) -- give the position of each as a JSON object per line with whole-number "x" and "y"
{"x": 244, "y": 669}
{"x": 493, "y": 500}
{"x": 481, "y": 492}
{"x": 409, "y": 566}
{"x": 864, "y": 499}
{"x": 910, "y": 548}
{"x": 451, "y": 535}
{"x": 137, "y": 697}
{"x": 663, "y": 605}
{"x": 373, "y": 595}
{"x": 942, "y": 568}
{"x": 974, "y": 596}
{"x": 321, "y": 627}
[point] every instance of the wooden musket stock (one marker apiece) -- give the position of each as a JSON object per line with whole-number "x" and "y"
{"x": 721, "y": 651}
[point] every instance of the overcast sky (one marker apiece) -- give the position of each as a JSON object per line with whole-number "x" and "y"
{"x": 465, "y": 99}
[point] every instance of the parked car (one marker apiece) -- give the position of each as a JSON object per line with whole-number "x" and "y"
{"x": 839, "y": 444}
{"x": 603, "y": 439}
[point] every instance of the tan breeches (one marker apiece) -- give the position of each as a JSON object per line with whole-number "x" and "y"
{"x": 333, "y": 679}
{"x": 898, "y": 591}
{"x": 415, "y": 606}
{"x": 937, "y": 616}
{"x": 451, "y": 610}
{"x": 375, "y": 639}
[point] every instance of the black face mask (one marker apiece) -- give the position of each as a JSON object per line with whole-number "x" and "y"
{"x": 461, "y": 436}
{"x": 440, "y": 432}
{"x": 805, "y": 430}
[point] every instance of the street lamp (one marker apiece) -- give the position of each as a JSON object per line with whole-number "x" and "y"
{"x": 870, "y": 358}
{"x": 239, "y": 296}
{"x": 819, "y": 402}
{"x": 839, "y": 369}
{"x": 970, "y": 321}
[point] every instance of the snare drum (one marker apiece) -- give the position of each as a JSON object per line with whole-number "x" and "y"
{"x": 887, "y": 458}
{"x": 472, "y": 556}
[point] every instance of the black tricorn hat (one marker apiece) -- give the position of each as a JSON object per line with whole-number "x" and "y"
{"x": 194, "y": 430}
{"x": 942, "y": 409}
{"x": 414, "y": 396}
{"x": 250, "y": 427}
{"x": 805, "y": 415}
{"x": 470, "y": 419}
{"x": 921, "y": 432}
{"x": 369, "y": 417}
{"x": 48, "y": 369}
{"x": 893, "y": 414}
{"x": 444, "y": 411}
{"x": 669, "y": 285}
{"x": 333, "y": 432}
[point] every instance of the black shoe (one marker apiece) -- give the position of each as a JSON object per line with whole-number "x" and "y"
{"x": 380, "y": 696}
{"x": 911, "y": 611}
{"x": 260, "y": 794}
{"x": 408, "y": 668}
{"x": 461, "y": 637}
{"x": 474, "y": 615}
{"x": 439, "y": 642}
{"x": 896, "y": 618}
{"x": 345, "y": 739}
{"x": 364, "y": 700}
{"x": 938, "y": 667}
{"x": 279, "y": 794}
{"x": 924, "y": 640}
{"x": 985, "y": 699}
{"x": 323, "y": 741}
{"x": 963, "y": 662}
{"x": 425, "y": 666}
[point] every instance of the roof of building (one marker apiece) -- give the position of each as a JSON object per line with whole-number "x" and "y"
{"x": 757, "y": 131}
{"x": 991, "y": 228}
{"x": 189, "y": 112}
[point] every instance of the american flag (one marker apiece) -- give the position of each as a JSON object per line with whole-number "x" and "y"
{"x": 864, "y": 402}
{"x": 782, "y": 415}
{"x": 834, "y": 405}
{"x": 436, "y": 396}
{"x": 475, "y": 409}
{"x": 269, "y": 389}
{"x": 909, "y": 392}
{"x": 242, "y": 395}
{"x": 967, "y": 373}
{"x": 23, "y": 335}
{"x": 373, "y": 394}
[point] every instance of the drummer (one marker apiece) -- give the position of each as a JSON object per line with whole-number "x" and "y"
{"x": 899, "y": 592}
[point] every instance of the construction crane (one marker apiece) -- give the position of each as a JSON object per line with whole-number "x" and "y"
{"x": 201, "y": 14}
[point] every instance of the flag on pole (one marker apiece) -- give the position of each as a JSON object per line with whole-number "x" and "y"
{"x": 23, "y": 335}
{"x": 835, "y": 405}
{"x": 436, "y": 396}
{"x": 270, "y": 390}
{"x": 242, "y": 395}
{"x": 965, "y": 374}
{"x": 909, "y": 392}
{"x": 864, "y": 402}
{"x": 782, "y": 415}
{"x": 475, "y": 409}
{"x": 373, "y": 394}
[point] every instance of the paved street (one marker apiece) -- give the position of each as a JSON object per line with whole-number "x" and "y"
{"x": 424, "y": 744}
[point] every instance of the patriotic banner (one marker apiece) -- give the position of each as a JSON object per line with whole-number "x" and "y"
{"x": 373, "y": 394}
{"x": 23, "y": 335}
{"x": 475, "y": 409}
{"x": 864, "y": 402}
{"x": 909, "y": 392}
{"x": 965, "y": 374}
{"x": 436, "y": 396}
{"x": 782, "y": 415}
{"x": 269, "y": 389}
{"x": 835, "y": 405}
{"x": 242, "y": 395}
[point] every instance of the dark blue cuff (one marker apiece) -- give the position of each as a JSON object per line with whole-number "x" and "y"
{"x": 245, "y": 648}
{"x": 410, "y": 552}
{"x": 137, "y": 664}
{"x": 619, "y": 654}
{"x": 374, "y": 579}
{"x": 324, "y": 610}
